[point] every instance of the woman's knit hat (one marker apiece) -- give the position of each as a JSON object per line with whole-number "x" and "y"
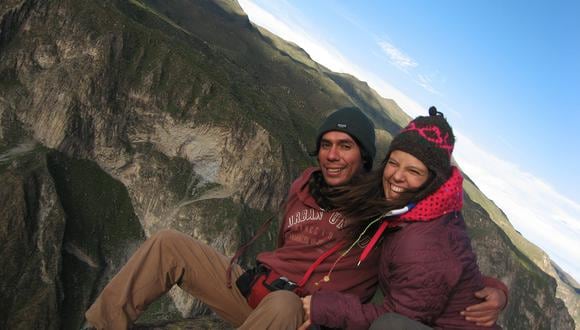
{"x": 430, "y": 139}
{"x": 352, "y": 121}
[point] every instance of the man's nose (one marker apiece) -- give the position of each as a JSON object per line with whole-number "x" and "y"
{"x": 333, "y": 153}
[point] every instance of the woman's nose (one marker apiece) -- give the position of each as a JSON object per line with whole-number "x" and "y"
{"x": 398, "y": 175}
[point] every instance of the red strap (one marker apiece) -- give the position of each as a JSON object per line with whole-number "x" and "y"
{"x": 373, "y": 241}
{"x": 318, "y": 261}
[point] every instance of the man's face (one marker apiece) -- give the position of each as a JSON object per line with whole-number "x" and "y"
{"x": 339, "y": 158}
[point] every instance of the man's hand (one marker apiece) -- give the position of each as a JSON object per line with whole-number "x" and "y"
{"x": 486, "y": 313}
{"x": 305, "y": 325}
{"x": 306, "y": 307}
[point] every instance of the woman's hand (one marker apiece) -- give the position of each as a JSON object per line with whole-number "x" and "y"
{"x": 306, "y": 308}
{"x": 486, "y": 313}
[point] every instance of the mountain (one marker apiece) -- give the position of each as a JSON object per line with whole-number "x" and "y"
{"x": 119, "y": 118}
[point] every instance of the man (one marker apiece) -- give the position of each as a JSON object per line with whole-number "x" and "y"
{"x": 309, "y": 250}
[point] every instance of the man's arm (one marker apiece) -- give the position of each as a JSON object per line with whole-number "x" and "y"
{"x": 495, "y": 298}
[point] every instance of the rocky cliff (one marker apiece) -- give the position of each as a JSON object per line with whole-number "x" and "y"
{"x": 119, "y": 118}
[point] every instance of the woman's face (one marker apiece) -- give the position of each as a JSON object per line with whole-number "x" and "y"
{"x": 403, "y": 175}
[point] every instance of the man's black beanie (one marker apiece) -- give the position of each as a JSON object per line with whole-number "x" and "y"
{"x": 352, "y": 121}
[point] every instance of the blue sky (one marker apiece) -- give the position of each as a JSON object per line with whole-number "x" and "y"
{"x": 505, "y": 73}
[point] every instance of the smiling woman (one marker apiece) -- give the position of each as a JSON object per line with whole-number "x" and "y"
{"x": 403, "y": 176}
{"x": 428, "y": 270}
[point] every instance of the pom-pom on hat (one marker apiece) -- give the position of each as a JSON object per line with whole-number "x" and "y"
{"x": 352, "y": 121}
{"x": 430, "y": 139}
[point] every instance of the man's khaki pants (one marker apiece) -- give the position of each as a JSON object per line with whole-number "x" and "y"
{"x": 170, "y": 257}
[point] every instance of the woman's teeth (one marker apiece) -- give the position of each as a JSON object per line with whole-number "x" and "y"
{"x": 397, "y": 189}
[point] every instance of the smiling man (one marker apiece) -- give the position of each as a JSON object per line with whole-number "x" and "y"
{"x": 345, "y": 146}
{"x": 266, "y": 297}
{"x": 339, "y": 157}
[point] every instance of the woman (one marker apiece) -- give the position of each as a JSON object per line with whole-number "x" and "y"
{"x": 428, "y": 271}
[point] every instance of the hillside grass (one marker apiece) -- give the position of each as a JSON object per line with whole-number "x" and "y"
{"x": 531, "y": 250}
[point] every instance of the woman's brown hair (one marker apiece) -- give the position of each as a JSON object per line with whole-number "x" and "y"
{"x": 363, "y": 200}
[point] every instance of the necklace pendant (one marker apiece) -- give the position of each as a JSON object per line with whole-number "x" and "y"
{"x": 326, "y": 278}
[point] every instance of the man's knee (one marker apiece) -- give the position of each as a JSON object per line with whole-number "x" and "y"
{"x": 171, "y": 238}
{"x": 283, "y": 302}
{"x": 166, "y": 235}
{"x": 278, "y": 310}
{"x": 171, "y": 242}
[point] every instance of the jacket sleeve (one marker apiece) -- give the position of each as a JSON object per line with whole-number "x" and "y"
{"x": 418, "y": 285}
{"x": 338, "y": 310}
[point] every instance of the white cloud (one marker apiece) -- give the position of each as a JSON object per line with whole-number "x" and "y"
{"x": 397, "y": 57}
{"x": 534, "y": 208}
{"x": 426, "y": 82}
{"x": 408, "y": 65}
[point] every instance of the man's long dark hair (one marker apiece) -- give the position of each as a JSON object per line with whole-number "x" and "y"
{"x": 363, "y": 199}
{"x": 360, "y": 201}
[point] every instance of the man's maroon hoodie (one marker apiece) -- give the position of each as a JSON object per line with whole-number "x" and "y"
{"x": 307, "y": 231}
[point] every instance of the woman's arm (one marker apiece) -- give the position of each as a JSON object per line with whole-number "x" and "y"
{"x": 337, "y": 310}
{"x": 418, "y": 286}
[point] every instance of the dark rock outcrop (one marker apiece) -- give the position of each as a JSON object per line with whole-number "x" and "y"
{"x": 31, "y": 236}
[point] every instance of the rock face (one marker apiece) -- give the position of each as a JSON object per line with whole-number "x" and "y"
{"x": 31, "y": 234}
{"x": 529, "y": 291}
{"x": 119, "y": 118}
{"x": 528, "y": 255}
{"x": 101, "y": 230}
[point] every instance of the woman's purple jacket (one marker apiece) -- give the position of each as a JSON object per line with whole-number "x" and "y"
{"x": 427, "y": 272}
